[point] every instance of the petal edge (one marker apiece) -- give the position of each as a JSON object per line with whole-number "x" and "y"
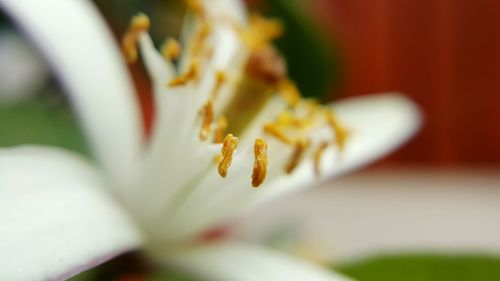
{"x": 381, "y": 123}
{"x": 79, "y": 47}
{"x": 240, "y": 261}
{"x": 55, "y": 218}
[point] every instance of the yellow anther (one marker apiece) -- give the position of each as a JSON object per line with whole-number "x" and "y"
{"x": 270, "y": 29}
{"x": 297, "y": 155}
{"x": 260, "y": 162}
{"x": 289, "y": 92}
{"x": 208, "y": 116}
{"x": 287, "y": 120}
{"x": 341, "y": 133}
{"x": 228, "y": 147}
{"x": 190, "y": 75}
{"x": 220, "y": 78}
{"x": 196, "y": 6}
{"x": 318, "y": 153}
{"x": 276, "y": 132}
{"x": 198, "y": 41}
{"x": 171, "y": 49}
{"x": 260, "y": 31}
{"x": 267, "y": 65}
{"x": 138, "y": 24}
{"x": 222, "y": 124}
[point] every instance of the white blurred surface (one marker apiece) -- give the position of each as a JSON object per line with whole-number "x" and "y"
{"x": 22, "y": 71}
{"x": 388, "y": 210}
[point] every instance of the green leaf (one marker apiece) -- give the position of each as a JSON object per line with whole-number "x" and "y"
{"x": 95, "y": 275}
{"x": 89, "y": 275}
{"x": 40, "y": 122}
{"x": 425, "y": 267}
{"x": 313, "y": 63}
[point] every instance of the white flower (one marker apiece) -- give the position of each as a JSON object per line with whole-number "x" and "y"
{"x": 60, "y": 214}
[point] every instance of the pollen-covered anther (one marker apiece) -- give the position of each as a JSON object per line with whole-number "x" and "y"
{"x": 270, "y": 28}
{"x": 260, "y": 32}
{"x": 340, "y": 132}
{"x": 275, "y": 131}
{"x": 207, "y": 118}
{"x": 220, "y": 130}
{"x": 228, "y": 147}
{"x": 286, "y": 119}
{"x": 267, "y": 65}
{"x": 138, "y": 24}
{"x": 289, "y": 92}
{"x": 198, "y": 41}
{"x": 171, "y": 49}
{"x": 220, "y": 78}
{"x": 191, "y": 75}
{"x": 318, "y": 153}
{"x": 297, "y": 155}
{"x": 196, "y": 6}
{"x": 260, "y": 162}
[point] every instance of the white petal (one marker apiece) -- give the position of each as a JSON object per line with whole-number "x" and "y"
{"x": 239, "y": 261}
{"x": 158, "y": 68}
{"x": 379, "y": 125}
{"x": 80, "y": 49}
{"x": 55, "y": 218}
{"x": 230, "y": 9}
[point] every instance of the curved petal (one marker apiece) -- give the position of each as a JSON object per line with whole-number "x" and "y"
{"x": 379, "y": 124}
{"x": 239, "y": 261}
{"x": 55, "y": 219}
{"x": 76, "y": 42}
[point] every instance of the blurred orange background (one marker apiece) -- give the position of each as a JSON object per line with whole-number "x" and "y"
{"x": 444, "y": 54}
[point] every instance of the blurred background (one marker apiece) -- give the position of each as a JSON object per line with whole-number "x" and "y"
{"x": 433, "y": 206}
{"x": 443, "y": 54}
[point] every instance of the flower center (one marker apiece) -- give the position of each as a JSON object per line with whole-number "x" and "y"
{"x": 227, "y": 118}
{"x": 262, "y": 84}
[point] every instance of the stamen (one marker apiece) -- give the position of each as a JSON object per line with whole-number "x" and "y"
{"x": 191, "y": 74}
{"x": 298, "y": 153}
{"x": 276, "y": 132}
{"x": 198, "y": 41}
{"x": 208, "y": 117}
{"x": 266, "y": 65}
{"x": 138, "y": 24}
{"x": 341, "y": 134}
{"x": 220, "y": 78}
{"x": 228, "y": 147}
{"x": 260, "y": 31}
{"x": 269, "y": 29}
{"x": 318, "y": 153}
{"x": 289, "y": 92}
{"x": 285, "y": 119}
{"x": 222, "y": 124}
{"x": 171, "y": 49}
{"x": 196, "y": 7}
{"x": 260, "y": 162}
